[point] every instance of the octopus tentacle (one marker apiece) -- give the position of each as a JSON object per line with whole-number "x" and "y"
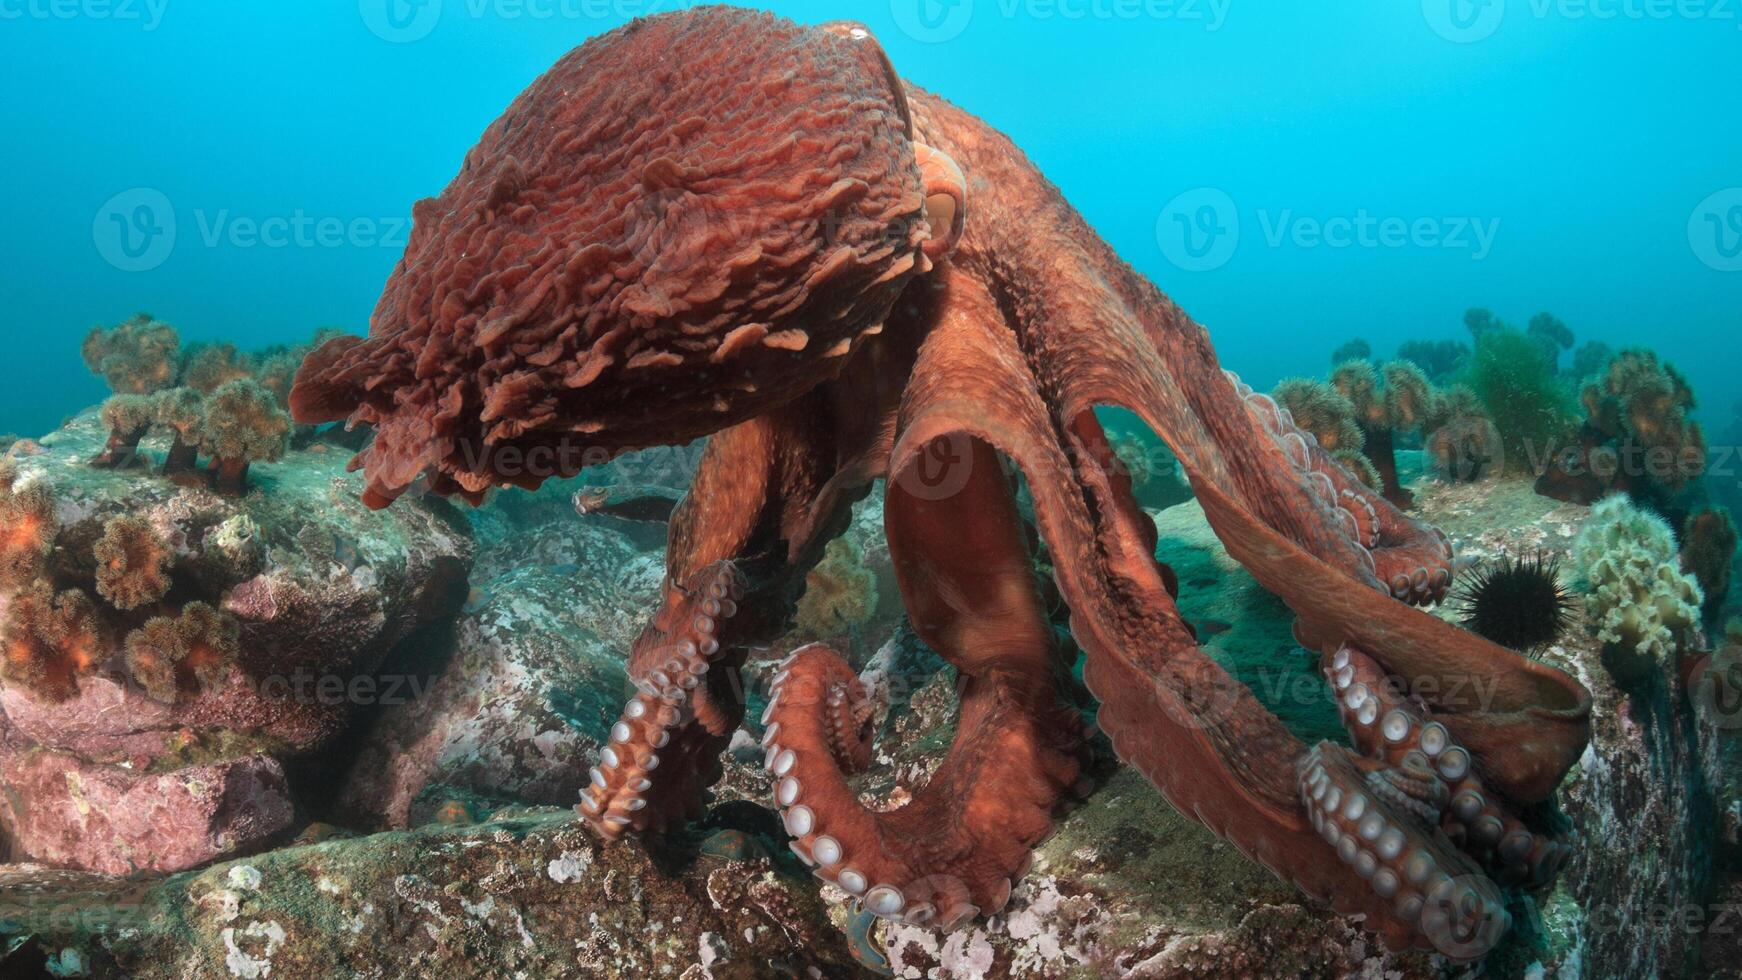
{"x": 953, "y": 851}
{"x": 967, "y": 580}
{"x": 674, "y": 659}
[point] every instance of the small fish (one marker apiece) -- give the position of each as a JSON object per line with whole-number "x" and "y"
{"x": 638, "y": 505}
{"x": 1213, "y": 627}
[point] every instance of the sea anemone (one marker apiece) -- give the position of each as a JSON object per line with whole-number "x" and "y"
{"x": 137, "y": 357}
{"x": 51, "y": 641}
{"x": 1438, "y": 359}
{"x": 1389, "y": 401}
{"x": 1518, "y": 602}
{"x": 840, "y": 593}
{"x": 1708, "y": 551}
{"x": 28, "y": 527}
{"x": 129, "y": 418}
{"x": 171, "y": 654}
{"x": 1462, "y": 440}
{"x": 132, "y": 563}
{"x": 1318, "y": 408}
{"x": 1355, "y": 350}
{"x": 1638, "y": 436}
{"x": 243, "y": 426}
{"x": 207, "y": 367}
{"x": 1644, "y": 608}
{"x": 183, "y": 412}
{"x": 1552, "y": 336}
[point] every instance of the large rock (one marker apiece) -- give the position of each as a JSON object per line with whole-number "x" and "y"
{"x": 120, "y": 821}
{"x": 322, "y": 590}
{"x": 526, "y": 894}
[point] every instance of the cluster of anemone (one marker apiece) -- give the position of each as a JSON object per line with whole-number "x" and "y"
{"x": 1709, "y": 541}
{"x": 187, "y": 652}
{"x": 1329, "y": 417}
{"x": 1440, "y": 360}
{"x": 1390, "y": 401}
{"x": 1637, "y": 437}
{"x": 132, "y": 563}
{"x": 50, "y": 641}
{"x": 1645, "y": 609}
{"x": 138, "y": 357}
{"x": 208, "y": 398}
{"x": 28, "y": 528}
{"x": 1552, "y": 337}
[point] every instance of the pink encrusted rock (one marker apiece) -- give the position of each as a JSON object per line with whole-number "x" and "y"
{"x": 64, "y": 811}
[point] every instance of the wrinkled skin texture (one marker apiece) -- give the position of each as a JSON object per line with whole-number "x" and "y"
{"x": 975, "y": 320}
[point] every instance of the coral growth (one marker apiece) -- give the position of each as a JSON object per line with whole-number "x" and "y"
{"x": 1531, "y": 411}
{"x": 1708, "y": 551}
{"x": 185, "y": 653}
{"x": 1391, "y": 401}
{"x": 51, "y": 641}
{"x": 1518, "y": 603}
{"x": 243, "y": 426}
{"x": 1644, "y": 609}
{"x": 132, "y": 563}
{"x": 28, "y": 527}
{"x": 183, "y": 412}
{"x": 1320, "y": 410}
{"x": 1438, "y": 359}
{"x": 1637, "y": 437}
{"x": 1461, "y": 439}
{"x": 840, "y": 594}
{"x": 129, "y": 418}
{"x": 138, "y": 357}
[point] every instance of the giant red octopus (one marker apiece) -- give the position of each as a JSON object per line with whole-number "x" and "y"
{"x": 720, "y": 223}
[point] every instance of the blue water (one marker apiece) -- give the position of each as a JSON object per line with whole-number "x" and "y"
{"x": 1589, "y": 147}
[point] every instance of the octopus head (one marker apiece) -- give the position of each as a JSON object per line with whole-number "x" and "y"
{"x": 683, "y": 224}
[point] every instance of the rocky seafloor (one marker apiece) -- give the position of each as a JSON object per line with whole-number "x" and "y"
{"x": 419, "y": 822}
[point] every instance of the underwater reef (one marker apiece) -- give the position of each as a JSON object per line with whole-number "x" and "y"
{"x": 921, "y": 662}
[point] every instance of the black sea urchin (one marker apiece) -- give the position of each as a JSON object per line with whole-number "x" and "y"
{"x": 1518, "y": 603}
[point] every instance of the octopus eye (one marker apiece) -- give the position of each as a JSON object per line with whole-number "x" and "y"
{"x": 946, "y": 200}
